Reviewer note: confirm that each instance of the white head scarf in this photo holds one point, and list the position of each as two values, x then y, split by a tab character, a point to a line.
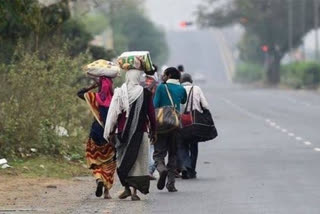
155	76
134	89
123	97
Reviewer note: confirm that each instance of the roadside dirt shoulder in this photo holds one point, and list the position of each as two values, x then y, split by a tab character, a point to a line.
43	195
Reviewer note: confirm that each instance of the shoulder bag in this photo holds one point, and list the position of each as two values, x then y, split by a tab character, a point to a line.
197	126
167	117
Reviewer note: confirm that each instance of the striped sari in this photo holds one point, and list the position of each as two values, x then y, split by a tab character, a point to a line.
101	157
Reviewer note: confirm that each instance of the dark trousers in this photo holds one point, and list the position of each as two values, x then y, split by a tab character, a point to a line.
166	144
188	156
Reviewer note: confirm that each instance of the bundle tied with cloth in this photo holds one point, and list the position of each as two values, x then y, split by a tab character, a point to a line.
102	68
132	63
103	71
167	117
139	60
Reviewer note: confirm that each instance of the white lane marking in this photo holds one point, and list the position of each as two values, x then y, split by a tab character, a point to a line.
291	134
273	124
239	108
307	143
298	102
267	120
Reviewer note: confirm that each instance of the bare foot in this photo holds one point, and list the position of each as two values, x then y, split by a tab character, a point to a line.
107	194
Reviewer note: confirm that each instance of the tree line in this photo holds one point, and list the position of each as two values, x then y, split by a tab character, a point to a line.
43	49
279	25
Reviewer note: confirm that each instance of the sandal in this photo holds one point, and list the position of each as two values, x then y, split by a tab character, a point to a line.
125	194
99	189
135	198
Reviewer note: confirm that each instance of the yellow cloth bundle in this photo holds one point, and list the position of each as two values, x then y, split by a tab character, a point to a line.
102	67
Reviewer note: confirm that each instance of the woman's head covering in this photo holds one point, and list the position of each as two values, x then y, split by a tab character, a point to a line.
123	97
133	85
105	93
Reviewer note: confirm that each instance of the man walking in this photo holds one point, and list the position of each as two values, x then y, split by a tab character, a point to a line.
167	142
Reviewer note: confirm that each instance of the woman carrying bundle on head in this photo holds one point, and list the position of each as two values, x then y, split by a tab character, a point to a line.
99	154
130	113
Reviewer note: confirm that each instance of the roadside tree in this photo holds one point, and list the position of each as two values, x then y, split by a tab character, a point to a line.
266	20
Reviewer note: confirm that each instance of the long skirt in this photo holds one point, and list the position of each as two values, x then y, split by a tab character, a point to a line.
138	174
101	160
101	157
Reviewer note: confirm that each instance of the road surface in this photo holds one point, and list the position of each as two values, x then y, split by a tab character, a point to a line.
266	159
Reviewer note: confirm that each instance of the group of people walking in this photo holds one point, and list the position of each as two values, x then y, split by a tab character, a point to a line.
124	138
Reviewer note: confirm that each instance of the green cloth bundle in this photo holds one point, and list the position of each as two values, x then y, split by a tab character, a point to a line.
140	60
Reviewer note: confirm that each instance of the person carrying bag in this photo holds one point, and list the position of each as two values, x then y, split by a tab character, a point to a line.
167	116
197	126
167	100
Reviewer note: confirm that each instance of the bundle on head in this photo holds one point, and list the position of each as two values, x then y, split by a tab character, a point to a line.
139	60
102	68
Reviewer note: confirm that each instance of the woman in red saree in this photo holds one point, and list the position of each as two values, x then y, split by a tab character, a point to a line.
100	155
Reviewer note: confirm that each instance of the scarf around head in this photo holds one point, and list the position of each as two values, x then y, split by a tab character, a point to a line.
133	87
104	96
123	97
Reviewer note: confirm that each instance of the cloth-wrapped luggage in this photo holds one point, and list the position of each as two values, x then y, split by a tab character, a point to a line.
140	60
101	68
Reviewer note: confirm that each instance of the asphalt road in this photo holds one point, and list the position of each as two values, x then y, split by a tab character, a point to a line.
265	160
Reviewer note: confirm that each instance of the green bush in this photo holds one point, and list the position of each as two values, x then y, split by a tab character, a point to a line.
31	23
37	97
248	73
301	75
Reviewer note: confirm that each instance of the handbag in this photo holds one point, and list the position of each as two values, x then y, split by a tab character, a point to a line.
167	117
186	117
201	128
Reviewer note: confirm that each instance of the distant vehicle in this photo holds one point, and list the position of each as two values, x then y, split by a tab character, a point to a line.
199	77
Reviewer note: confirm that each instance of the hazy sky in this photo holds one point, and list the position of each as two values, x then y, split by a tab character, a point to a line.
169	13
